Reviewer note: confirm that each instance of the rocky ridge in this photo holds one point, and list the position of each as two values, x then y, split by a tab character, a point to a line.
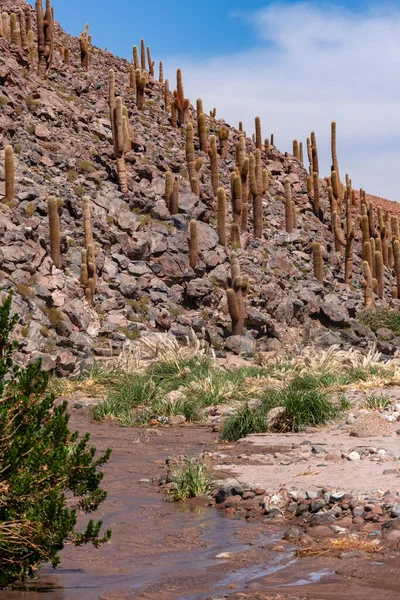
61	134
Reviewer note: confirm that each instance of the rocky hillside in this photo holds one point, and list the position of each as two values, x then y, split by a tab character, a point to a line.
62	139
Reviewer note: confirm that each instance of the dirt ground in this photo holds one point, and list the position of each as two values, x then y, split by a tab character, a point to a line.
165	551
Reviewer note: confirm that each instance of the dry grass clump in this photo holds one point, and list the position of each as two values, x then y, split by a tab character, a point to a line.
339	545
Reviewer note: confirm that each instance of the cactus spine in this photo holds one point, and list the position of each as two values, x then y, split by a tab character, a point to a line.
141	82
288	207
54	228
45	34
317	262
193	243
9	173
221	216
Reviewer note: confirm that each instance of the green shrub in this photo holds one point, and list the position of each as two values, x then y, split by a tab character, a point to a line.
244	421
42	464
374	318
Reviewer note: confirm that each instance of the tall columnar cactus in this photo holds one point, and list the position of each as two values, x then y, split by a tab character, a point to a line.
288	207
181	103
238	287
371	219
368	256
223	135
334	211
296	151
150	62
314	153
202	131
45	35
84	269
346	240
169	186
256	189
54	228
364	231
141	82
28	19
301	155
119	138
190	160
236	199
14	30
235	235
31	47
167	96
199	106
221	216
193	243
9	173
368	286
389	236
135	54
379	273
161	73
142	55
84	47
213	154
242	164
267	147
258	133
5	22
396	257
336	190
395	227
92	273
316	202
335	164
87	224
318	262
67	56
309	154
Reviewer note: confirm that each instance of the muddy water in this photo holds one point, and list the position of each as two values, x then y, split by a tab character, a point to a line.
166	551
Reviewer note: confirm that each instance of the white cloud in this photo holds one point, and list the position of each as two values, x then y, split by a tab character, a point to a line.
313	65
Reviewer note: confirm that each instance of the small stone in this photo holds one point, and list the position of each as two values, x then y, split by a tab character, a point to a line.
224	556
354	456
317	449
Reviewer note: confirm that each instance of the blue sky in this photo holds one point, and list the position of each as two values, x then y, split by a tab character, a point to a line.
297	64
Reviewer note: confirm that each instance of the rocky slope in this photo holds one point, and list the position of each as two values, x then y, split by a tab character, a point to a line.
61	134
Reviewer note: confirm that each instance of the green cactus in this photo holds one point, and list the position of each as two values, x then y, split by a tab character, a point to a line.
132	78
317	262
316	203
84	269
161	73
237	199
256	189
9	173
309	155
136	60
296	151
346	239
301	155
190	159
45	35
238	287
169	187
335	164
314	154
193	243
167	96
54	228
120	136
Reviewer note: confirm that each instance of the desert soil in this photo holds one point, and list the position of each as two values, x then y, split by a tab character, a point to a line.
165	551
